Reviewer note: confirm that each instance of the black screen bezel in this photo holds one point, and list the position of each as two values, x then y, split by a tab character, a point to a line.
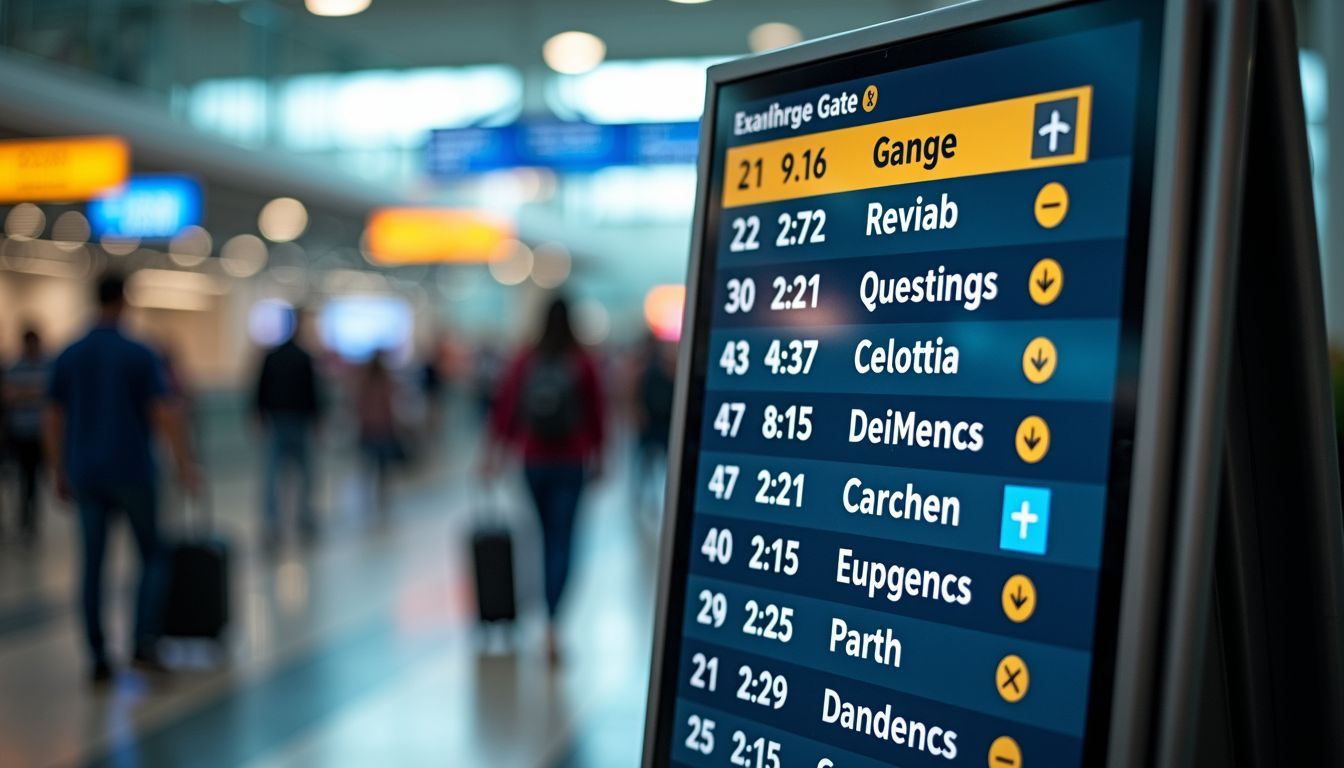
941	45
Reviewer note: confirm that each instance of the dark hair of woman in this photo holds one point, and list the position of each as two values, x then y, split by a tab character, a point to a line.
557	334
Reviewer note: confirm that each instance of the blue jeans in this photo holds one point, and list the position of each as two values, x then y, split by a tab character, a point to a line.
140	505
555	490
291	441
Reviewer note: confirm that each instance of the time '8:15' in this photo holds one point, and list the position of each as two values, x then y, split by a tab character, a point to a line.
793	422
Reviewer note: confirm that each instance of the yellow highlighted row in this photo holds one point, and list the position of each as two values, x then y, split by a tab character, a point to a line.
1037	131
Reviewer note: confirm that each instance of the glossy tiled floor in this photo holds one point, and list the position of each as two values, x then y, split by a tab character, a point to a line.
359	650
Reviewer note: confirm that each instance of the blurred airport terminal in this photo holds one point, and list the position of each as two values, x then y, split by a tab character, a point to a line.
339	223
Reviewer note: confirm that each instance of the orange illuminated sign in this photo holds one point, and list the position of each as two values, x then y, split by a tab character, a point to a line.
664	306
434	236
62	170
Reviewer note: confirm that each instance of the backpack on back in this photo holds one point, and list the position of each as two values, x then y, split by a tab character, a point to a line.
550	407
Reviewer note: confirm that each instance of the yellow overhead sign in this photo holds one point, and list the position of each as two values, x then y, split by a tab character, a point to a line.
434	236
995	137
62	170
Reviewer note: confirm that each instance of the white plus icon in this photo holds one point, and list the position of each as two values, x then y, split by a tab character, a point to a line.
1053	129
1024	517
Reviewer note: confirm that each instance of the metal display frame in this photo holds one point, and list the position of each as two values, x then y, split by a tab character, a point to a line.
1182	400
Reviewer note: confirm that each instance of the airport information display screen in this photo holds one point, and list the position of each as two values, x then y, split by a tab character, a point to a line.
905	465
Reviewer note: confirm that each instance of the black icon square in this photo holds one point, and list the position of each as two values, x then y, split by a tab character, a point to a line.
1055	128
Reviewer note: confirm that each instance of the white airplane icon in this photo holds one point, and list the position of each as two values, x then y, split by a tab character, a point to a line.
1053	129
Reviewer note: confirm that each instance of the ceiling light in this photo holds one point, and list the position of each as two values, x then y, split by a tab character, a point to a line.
70	231
512	264
336	7
191	247
772	35
573	53
689	2
25	221
243	255
551	265
283	219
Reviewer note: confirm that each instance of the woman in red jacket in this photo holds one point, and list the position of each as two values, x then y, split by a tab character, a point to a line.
550	406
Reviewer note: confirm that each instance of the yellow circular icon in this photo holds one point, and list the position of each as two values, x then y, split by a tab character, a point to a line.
1046	281
1052	205
1004	753
1033	439
1012	678
1038	360
869	98
1018	598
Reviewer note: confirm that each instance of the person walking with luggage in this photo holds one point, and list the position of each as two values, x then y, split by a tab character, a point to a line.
550	406
379	440
25	390
287	407
106	401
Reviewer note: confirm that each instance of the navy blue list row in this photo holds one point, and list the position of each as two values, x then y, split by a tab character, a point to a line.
971	435
980	284
952	358
950	510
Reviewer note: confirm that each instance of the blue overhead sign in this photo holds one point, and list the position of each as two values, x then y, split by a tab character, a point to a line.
147	207
569	147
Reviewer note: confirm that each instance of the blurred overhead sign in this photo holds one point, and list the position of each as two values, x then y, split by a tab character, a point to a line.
571	147
147	208
433	236
61	170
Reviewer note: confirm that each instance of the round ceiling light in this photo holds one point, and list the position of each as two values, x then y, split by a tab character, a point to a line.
336	7
573	53
25	221
283	219
772	35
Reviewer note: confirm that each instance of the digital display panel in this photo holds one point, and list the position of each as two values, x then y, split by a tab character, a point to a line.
905	463
150	207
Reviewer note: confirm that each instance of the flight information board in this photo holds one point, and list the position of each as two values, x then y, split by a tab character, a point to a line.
905	461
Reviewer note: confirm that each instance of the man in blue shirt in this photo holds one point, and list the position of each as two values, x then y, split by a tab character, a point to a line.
25	388
107	399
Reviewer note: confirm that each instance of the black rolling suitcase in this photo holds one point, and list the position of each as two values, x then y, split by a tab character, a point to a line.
492	551
197	601
492	558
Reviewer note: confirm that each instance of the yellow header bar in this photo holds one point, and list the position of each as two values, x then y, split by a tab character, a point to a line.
1042	130
61	170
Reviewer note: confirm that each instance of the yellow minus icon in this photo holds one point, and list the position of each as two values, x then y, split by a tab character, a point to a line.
1005	753
1052	205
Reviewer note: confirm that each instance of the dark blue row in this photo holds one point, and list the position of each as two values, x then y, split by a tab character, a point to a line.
1079	449
971	733
1077	512
1066	597
1093	273
988	359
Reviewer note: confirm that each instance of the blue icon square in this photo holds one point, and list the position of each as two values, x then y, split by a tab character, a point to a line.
1026	519
1055	128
